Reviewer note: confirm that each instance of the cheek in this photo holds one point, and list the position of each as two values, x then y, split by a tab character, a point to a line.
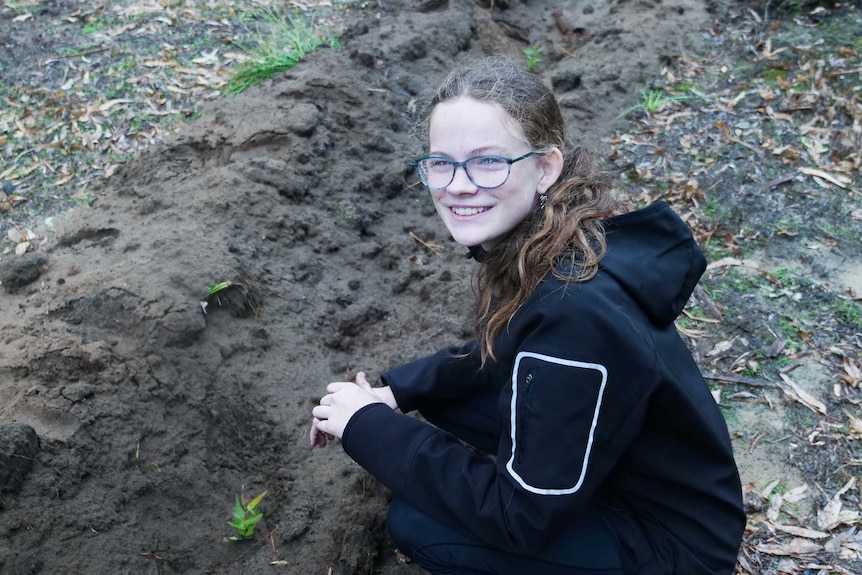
523	197
437	195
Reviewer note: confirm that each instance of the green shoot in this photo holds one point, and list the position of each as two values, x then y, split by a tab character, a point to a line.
246	517
533	54
653	101
212	290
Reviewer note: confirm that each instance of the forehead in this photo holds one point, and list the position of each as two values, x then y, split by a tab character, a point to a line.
472	122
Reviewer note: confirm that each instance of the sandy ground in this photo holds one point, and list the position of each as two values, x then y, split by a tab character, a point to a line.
154	404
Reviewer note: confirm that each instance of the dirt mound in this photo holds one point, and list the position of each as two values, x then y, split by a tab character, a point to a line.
155	402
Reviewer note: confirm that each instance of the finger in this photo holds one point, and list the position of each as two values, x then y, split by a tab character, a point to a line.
317	437
321	412
362	381
335	386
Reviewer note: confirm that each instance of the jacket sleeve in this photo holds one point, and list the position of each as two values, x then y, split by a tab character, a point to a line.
447	375
578	385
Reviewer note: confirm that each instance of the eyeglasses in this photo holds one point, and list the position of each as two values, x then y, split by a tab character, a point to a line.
487	172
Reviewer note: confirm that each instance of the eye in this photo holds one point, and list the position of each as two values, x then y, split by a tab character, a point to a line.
438	164
489	162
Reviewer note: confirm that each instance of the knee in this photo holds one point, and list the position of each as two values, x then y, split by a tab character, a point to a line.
406	526
422	539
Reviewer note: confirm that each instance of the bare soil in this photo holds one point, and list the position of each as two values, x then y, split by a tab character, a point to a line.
134	406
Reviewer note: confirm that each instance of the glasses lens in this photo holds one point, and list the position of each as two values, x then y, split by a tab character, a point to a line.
435	172
488	171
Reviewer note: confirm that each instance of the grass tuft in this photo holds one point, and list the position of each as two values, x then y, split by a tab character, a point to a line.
654	101
287	41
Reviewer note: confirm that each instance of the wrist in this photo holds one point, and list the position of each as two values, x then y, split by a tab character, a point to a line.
386	396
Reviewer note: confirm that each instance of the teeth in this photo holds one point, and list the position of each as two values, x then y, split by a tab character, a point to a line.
468	211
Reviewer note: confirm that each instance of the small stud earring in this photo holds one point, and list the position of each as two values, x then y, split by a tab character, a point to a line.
543	199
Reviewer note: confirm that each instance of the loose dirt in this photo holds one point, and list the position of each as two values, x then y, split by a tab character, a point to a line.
136	406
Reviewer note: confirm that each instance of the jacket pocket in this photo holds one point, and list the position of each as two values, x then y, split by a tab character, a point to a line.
556	407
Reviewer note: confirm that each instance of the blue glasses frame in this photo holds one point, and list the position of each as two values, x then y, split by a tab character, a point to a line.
422	173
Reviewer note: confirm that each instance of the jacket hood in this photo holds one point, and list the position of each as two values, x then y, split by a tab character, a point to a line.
653	256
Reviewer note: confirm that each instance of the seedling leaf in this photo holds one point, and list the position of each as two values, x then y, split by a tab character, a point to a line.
255	502
218	287
246	517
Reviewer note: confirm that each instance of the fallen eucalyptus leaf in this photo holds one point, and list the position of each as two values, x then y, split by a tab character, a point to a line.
796	393
795	547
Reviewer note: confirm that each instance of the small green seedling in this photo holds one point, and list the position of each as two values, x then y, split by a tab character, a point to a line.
533	54
654	101
245	517
212	290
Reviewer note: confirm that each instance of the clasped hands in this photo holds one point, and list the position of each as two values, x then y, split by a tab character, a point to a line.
343	399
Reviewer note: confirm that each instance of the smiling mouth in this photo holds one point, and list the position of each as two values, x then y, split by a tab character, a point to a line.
467	211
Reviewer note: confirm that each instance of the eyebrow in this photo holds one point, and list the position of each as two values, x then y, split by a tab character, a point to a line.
484	151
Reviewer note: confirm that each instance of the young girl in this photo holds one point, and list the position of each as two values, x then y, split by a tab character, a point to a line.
606	453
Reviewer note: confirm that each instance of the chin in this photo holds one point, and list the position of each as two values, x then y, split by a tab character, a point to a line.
468	240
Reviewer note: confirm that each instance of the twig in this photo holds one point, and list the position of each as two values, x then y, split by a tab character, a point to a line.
433	248
75	55
843	72
151	554
730	378
781	180
699	318
791	367
259	543
756	440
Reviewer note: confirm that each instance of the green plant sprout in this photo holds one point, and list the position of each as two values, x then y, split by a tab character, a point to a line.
533	54
653	101
212	290
245	517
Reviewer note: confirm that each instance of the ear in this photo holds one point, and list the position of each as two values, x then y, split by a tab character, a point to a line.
550	166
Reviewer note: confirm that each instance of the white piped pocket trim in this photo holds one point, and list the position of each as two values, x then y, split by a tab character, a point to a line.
513	412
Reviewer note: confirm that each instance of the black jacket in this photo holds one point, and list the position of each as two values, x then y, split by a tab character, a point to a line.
601	402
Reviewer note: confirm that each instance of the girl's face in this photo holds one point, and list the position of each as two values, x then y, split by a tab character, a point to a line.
465	127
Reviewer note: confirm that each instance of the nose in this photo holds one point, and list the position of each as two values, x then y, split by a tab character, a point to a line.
461	183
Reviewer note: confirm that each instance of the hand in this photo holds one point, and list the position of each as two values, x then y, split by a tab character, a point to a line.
344	398
383	393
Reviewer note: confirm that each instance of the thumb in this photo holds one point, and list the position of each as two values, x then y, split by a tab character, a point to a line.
361	381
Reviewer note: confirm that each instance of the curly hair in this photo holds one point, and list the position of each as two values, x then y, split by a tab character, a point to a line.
569	225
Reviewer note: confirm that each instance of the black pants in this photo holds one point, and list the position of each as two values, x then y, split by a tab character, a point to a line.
587	546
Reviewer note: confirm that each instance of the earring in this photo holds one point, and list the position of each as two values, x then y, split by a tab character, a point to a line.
543	199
